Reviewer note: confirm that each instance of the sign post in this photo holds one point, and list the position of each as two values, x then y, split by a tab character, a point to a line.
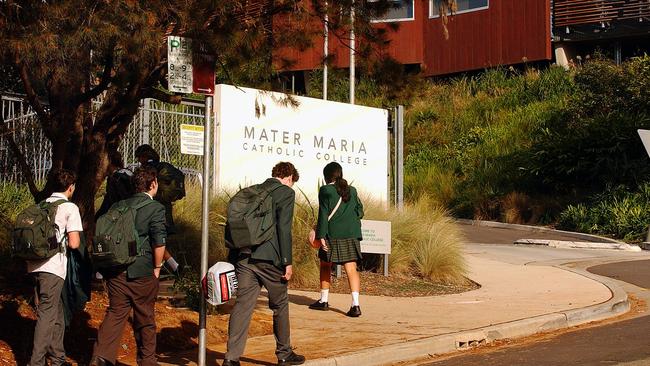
193	72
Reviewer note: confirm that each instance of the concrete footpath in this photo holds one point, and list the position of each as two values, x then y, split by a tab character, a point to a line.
518	297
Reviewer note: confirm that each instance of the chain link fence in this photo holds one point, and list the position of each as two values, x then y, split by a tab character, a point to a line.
156	124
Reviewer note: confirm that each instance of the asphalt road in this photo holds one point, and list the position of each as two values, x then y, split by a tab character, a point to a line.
492	235
625	343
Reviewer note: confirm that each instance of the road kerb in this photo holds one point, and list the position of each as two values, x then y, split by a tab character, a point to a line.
458	341
578	244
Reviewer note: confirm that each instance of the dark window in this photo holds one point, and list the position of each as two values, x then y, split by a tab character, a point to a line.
463	6
399	10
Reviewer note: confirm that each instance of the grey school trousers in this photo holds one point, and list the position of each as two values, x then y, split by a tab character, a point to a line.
50	324
250	278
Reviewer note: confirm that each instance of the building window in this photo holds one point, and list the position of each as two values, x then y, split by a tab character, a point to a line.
464	6
400	10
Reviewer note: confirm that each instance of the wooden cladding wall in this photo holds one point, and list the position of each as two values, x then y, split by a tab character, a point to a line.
507	32
578	12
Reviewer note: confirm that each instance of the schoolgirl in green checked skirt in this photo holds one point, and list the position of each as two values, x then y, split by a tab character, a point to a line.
339	231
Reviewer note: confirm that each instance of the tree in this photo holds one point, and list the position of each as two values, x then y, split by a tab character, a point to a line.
69	52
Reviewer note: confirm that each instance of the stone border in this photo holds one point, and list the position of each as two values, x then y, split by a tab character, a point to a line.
566	244
539	229
458	341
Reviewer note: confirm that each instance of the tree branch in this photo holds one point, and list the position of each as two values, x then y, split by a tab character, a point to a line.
32	97
103	84
162	96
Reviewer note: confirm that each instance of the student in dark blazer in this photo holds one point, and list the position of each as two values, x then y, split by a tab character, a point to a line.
339	231
270	265
136	286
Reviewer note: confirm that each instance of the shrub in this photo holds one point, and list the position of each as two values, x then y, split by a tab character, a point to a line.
617	212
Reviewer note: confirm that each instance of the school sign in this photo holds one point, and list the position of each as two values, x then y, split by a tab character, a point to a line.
256	129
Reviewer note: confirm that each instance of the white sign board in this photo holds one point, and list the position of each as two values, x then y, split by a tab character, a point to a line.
645	138
179	64
191	139
376	236
258	129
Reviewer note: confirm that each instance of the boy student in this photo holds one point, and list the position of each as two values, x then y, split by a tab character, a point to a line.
147	155
136	286
268	265
50	274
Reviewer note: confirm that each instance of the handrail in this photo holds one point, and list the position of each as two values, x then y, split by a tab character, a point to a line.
579	12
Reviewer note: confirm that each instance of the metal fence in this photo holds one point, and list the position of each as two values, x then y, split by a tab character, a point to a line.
156	124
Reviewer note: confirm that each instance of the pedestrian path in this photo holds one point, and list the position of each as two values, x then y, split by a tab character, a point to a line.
512	290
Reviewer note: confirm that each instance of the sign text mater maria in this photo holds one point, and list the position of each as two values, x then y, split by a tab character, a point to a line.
291	144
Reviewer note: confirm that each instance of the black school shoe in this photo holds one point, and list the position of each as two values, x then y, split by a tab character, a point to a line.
319	306
230	363
292	359
354	312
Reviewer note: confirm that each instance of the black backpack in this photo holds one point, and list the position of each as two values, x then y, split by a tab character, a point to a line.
34	233
117	243
250	218
171	183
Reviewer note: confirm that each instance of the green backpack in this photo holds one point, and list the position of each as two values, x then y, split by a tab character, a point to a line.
117	243
34	233
171	183
250	218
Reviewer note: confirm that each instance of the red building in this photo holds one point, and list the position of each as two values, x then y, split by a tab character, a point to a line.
488	33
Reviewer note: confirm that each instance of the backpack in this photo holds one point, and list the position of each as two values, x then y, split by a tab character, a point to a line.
117	243
250	218
34	233
171	183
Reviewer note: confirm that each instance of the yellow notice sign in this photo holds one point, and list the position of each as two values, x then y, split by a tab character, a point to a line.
191	139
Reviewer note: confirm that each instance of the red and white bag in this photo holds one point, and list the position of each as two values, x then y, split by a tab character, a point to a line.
220	283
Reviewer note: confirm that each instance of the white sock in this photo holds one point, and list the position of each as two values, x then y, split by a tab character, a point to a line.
355	298
171	262
324	295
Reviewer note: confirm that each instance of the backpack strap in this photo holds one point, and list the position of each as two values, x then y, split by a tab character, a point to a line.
55	205
142	204
335	208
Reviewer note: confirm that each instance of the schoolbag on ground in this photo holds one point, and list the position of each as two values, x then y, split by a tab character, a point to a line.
34	234
117	243
171	183
250	218
219	283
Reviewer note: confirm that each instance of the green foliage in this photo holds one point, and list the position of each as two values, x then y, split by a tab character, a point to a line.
13	199
618	212
594	142
498	145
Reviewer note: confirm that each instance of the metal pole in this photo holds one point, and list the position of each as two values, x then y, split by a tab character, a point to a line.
385	265
204	224
352	62
215	154
399	148
325	51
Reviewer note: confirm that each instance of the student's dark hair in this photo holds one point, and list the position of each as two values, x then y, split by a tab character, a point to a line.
284	169
333	172
115	159
143	177
62	179
148	152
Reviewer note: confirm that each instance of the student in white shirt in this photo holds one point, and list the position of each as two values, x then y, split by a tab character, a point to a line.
50	275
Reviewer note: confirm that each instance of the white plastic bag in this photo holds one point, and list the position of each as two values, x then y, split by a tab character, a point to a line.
220	283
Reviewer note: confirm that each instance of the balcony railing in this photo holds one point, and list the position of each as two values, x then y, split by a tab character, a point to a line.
579	12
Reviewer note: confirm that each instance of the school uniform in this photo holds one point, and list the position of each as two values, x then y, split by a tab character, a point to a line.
343	231
50	275
135	288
